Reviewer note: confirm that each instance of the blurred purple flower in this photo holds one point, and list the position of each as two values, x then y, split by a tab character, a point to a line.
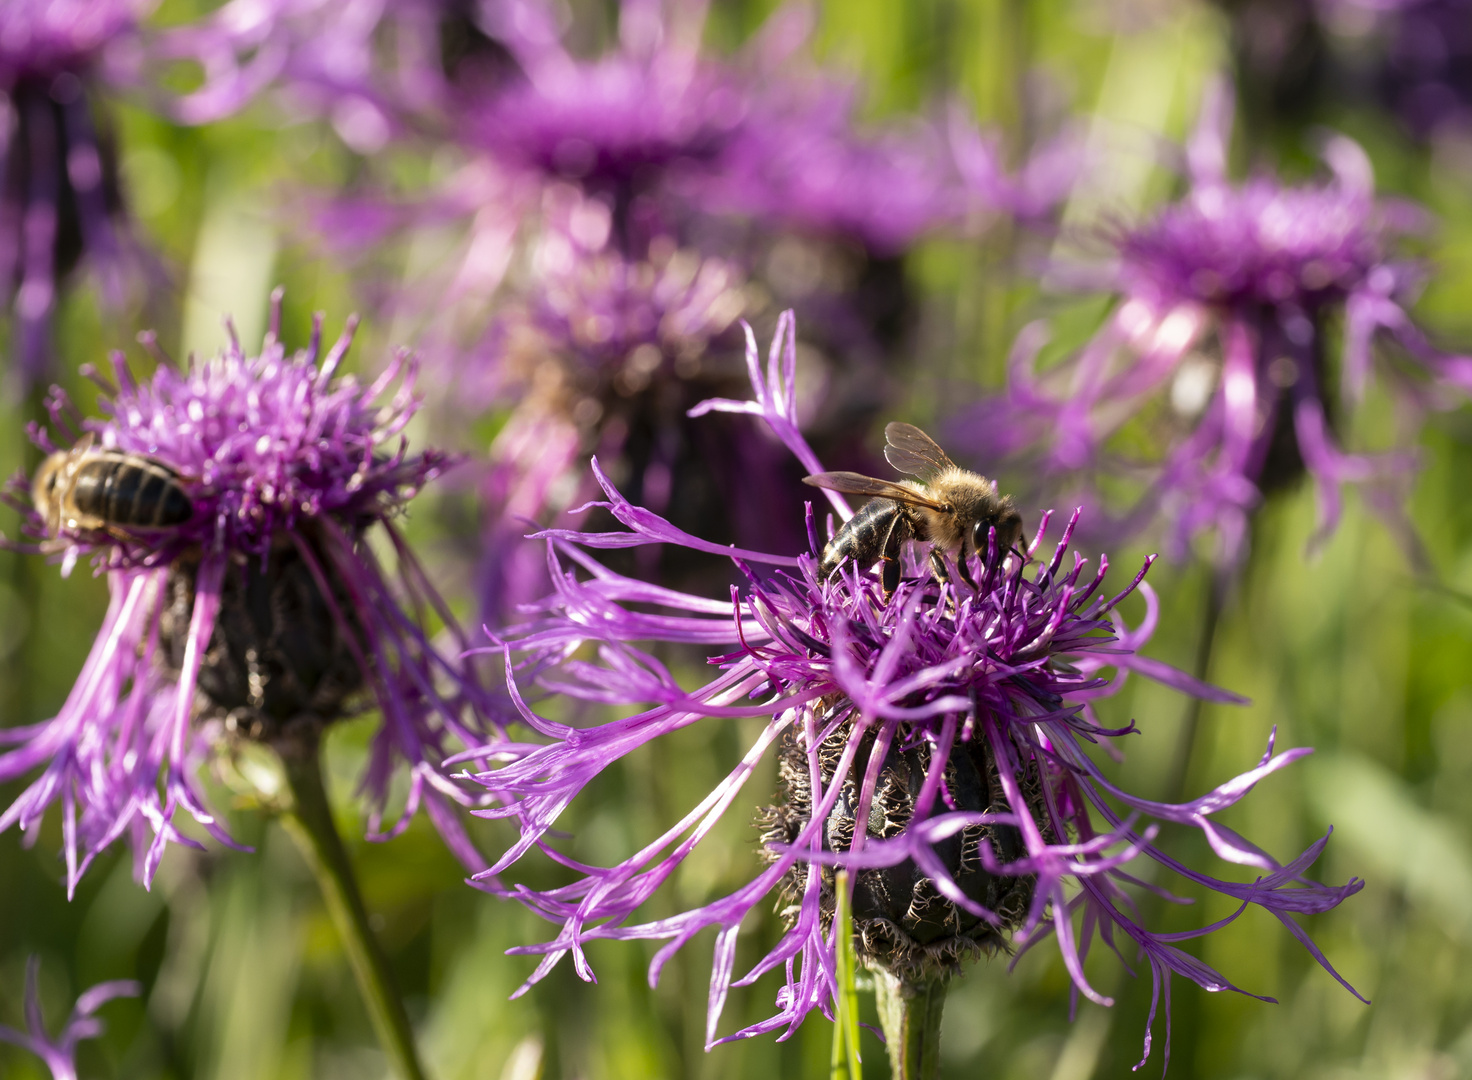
373	68
59	195
1425	70
61	202
60	1053
1226	300
619	212
605	356
266	613
952	722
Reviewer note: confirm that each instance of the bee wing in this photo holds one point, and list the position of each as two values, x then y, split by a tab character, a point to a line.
912	451
853	483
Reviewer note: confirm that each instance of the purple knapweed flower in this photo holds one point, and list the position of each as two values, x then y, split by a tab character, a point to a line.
60	1053
264	613
1226	304
953	722
619	213
59	195
605	355
1424	68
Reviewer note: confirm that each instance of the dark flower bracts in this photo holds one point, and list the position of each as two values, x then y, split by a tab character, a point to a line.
937	743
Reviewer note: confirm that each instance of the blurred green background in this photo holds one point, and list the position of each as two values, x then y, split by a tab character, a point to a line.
242	972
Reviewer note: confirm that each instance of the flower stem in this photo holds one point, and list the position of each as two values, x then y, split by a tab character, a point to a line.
1180	766
910	1015
310	822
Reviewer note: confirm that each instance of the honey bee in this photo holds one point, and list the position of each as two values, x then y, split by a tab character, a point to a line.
951	508
108	491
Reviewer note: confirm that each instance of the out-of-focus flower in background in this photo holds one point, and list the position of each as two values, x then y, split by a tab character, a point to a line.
60	1053
1299	59
261	611
62	205
374	69
624	209
1227	302
933	742
1424	63
59	194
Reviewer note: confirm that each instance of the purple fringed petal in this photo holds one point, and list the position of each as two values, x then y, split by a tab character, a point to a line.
60	1053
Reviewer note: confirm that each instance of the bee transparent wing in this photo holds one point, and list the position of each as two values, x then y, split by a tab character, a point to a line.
913	452
852	483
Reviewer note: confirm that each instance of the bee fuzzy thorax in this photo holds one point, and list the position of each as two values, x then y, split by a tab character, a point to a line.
967	497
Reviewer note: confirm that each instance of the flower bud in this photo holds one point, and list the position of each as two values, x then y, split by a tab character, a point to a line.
902	922
282	654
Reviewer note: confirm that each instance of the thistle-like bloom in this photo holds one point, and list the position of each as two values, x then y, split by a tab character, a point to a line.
60	1053
267	613
952	724
59	196
605	357
1227	302
61	204
1425	70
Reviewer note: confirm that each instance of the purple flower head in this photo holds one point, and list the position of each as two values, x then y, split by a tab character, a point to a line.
1226	303
953	722
613	124
259	611
59	195
803	164
42	38
605	355
60	1053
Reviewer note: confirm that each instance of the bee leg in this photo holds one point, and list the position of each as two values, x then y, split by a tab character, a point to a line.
965	571
889	554
889	575
939	571
938	568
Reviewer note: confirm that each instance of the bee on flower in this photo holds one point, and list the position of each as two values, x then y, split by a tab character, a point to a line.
233	506
933	737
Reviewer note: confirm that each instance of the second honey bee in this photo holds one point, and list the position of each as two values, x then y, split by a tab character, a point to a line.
86	489
948	506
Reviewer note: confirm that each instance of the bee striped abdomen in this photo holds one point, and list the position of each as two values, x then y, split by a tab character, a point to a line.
132	492
863	537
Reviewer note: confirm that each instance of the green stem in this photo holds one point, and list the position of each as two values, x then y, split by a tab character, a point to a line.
310	822
910	1015
1180	767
